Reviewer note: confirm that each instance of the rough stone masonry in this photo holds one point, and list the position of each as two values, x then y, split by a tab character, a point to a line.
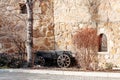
56	21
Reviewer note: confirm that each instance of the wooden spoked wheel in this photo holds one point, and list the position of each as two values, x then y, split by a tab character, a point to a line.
40	61
63	61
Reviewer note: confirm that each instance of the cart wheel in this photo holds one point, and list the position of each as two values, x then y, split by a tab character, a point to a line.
40	61
63	60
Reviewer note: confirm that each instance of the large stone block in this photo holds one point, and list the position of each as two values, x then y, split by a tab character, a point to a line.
37	34
46	42
7	45
51	27
5	40
50	33
11	51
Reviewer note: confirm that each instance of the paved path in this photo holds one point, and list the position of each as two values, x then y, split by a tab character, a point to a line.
36	76
21	74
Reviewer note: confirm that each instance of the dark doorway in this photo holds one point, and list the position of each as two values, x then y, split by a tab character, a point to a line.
102	43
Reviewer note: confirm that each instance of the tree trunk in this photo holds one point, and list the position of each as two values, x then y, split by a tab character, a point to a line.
29	42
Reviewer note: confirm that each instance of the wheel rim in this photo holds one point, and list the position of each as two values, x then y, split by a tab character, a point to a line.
40	61
63	61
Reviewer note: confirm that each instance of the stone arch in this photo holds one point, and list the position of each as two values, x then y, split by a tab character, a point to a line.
103	43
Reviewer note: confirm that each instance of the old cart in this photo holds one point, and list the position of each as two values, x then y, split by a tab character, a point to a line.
61	58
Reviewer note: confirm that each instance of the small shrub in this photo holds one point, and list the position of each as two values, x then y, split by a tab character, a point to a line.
16	63
86	44
11	61
109	66
5	59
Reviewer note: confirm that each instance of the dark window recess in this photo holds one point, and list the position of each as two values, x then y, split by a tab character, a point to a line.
102	43
23	8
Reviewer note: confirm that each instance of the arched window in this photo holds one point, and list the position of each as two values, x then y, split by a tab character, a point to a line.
102	43
23	8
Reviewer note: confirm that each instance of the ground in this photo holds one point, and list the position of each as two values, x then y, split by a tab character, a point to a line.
29	74
37	76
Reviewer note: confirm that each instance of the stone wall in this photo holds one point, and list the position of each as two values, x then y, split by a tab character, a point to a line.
70	15
112	31
43	28
12	22
109	25
43	33
56	21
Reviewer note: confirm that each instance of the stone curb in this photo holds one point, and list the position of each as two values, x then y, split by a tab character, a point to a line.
72	73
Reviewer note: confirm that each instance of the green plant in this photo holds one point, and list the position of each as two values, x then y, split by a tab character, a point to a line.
109	66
